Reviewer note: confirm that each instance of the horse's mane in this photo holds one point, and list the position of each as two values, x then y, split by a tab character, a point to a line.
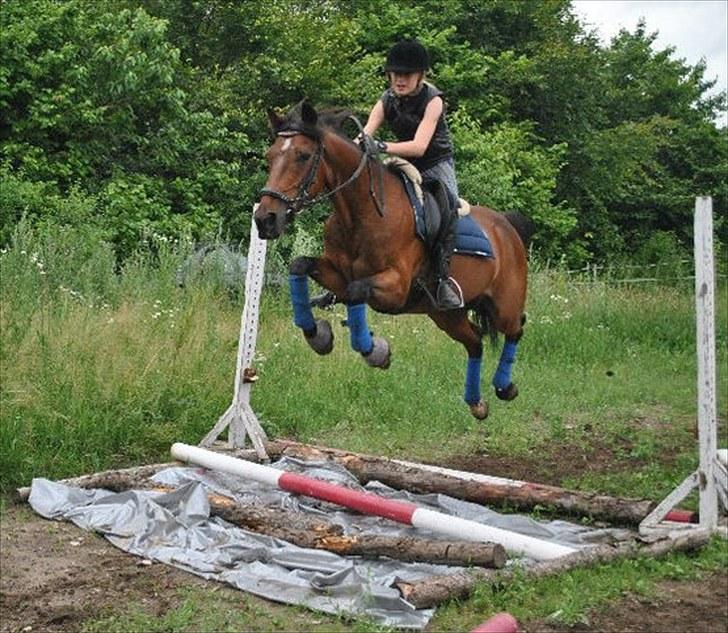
328	119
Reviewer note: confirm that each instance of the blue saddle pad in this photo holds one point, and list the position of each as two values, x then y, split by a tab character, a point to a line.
471	238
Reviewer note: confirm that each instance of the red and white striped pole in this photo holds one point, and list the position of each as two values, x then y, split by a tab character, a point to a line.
368	503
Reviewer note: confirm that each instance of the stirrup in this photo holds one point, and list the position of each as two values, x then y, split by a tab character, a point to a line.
449	295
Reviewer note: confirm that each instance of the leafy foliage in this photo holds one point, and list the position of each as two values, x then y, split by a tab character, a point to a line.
150	114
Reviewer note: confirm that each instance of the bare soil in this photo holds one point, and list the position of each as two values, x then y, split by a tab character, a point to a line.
54	577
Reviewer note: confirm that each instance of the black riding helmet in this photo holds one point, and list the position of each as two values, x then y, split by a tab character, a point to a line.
408	56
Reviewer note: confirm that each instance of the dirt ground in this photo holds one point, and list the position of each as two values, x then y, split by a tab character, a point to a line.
54	577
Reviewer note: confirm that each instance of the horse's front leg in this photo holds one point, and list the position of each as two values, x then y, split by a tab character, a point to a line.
318	332
374	349
385	291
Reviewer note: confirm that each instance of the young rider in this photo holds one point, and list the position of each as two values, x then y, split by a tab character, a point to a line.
414	110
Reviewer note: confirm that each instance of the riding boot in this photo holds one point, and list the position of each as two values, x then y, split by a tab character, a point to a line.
449	293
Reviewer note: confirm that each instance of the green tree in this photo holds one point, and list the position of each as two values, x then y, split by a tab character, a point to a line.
154	111
96	98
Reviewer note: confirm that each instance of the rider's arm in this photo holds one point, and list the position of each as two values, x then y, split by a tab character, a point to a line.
418	145
376	118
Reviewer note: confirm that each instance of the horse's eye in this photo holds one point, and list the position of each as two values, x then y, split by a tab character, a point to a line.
303	157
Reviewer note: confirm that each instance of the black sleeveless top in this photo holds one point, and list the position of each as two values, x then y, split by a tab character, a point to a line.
404	115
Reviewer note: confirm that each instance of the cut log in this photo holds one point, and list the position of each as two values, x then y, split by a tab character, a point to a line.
438	589
305	531
125	478
115	480
415	549
517	495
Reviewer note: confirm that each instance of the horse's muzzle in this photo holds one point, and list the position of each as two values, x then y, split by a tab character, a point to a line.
269	223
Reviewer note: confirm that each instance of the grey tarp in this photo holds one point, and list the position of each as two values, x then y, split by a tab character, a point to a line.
176	528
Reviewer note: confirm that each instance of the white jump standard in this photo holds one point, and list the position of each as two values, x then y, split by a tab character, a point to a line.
240	419
711	478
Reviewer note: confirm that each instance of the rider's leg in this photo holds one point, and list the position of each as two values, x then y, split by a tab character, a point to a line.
449	294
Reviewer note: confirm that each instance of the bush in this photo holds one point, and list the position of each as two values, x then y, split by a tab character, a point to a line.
505	168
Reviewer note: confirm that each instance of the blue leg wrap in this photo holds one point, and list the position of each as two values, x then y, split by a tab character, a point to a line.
502	376
302	315
361	337
472	381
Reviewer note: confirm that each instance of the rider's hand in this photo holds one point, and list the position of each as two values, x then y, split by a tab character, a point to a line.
370	145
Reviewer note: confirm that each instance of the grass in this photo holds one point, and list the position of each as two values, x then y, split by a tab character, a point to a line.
104	368
207	611
567	598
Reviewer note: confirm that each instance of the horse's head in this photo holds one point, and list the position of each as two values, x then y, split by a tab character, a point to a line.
294	177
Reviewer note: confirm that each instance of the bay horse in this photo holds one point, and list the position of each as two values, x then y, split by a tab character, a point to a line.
373	257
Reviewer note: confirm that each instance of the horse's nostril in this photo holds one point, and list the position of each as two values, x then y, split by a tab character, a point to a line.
266	224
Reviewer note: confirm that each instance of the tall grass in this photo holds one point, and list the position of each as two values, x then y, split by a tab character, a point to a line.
104	367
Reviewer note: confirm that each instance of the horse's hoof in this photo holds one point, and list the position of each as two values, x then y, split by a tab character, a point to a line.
322	342
379	356
479	410
509	393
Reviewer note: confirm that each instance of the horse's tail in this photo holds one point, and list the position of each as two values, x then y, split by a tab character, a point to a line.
484	312
523	225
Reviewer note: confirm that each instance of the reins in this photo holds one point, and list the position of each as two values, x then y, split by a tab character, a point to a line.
303	199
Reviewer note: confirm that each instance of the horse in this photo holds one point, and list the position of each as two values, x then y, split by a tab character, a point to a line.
373	257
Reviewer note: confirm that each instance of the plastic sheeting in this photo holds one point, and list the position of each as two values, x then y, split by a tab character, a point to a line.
176	528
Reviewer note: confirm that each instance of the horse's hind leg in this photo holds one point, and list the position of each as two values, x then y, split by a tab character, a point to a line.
505	389
457	326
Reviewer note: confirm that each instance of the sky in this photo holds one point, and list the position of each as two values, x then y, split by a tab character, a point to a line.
696	28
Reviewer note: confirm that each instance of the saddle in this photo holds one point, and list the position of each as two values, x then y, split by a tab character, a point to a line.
429	200
428	197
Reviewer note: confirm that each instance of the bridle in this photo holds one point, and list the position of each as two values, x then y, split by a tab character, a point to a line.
303	198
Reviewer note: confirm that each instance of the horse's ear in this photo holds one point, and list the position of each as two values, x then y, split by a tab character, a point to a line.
276	121
308	113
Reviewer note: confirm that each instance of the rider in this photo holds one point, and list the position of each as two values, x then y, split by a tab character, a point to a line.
415	112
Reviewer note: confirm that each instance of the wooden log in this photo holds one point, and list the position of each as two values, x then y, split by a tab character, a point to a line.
438	589
306	531
111	478
416	549
124	478
516	494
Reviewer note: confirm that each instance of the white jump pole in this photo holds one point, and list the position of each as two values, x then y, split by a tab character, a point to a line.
368	503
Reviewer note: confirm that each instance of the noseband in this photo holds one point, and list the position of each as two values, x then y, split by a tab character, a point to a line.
303	199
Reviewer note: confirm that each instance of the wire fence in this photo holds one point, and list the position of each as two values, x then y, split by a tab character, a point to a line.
675	272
